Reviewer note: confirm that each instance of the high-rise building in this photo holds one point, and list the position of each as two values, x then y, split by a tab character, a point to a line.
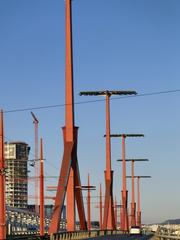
16	161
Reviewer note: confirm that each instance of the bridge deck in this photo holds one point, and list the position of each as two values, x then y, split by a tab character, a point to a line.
122	237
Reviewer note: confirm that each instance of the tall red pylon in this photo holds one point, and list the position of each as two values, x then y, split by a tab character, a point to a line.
138	198
100	208
124	192
133	203
41	190
109	219
69	174
89	205
2	182
115	211
139	203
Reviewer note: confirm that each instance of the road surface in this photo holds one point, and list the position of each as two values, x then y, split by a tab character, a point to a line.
123	237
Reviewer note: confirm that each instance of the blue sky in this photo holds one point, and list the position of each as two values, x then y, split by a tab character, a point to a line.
118	45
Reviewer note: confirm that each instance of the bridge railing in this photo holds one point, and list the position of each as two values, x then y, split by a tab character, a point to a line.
163	233
164	237
83	234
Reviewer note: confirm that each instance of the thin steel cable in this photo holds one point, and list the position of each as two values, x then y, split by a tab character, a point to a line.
91	101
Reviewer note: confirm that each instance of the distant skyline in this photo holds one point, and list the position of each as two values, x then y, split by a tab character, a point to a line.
118	45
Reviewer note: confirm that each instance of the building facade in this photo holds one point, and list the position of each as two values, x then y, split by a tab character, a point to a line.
48	210
16	162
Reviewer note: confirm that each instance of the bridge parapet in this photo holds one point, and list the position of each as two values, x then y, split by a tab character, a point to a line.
83	234
164	233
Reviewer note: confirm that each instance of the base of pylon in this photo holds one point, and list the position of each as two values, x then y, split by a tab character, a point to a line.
65	185
109	217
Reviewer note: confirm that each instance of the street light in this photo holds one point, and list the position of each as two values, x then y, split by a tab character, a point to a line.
124	216
133	203
109	218
138	194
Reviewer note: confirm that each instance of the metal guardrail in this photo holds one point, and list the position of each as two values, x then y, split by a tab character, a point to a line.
83	234
164	237
23	236
26	236
68	235
164	233
65	235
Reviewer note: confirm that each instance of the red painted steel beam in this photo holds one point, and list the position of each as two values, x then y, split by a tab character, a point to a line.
2	182
121	218
89	205
87	188
69	173
139	203
36	123
125	226
70	200
100	209
69	118
108	140
41	190
69	157
139	198
79	196
69	110
115	211
124	193
133	203
109	219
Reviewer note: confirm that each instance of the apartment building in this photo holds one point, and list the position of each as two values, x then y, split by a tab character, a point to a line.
16	162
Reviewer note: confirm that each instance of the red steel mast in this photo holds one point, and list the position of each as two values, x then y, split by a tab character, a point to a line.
109	219
133	203
139	203
69	174
41	190
89	205
139	199
100	208
124	192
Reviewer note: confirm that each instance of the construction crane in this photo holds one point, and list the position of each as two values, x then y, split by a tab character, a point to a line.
36	123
